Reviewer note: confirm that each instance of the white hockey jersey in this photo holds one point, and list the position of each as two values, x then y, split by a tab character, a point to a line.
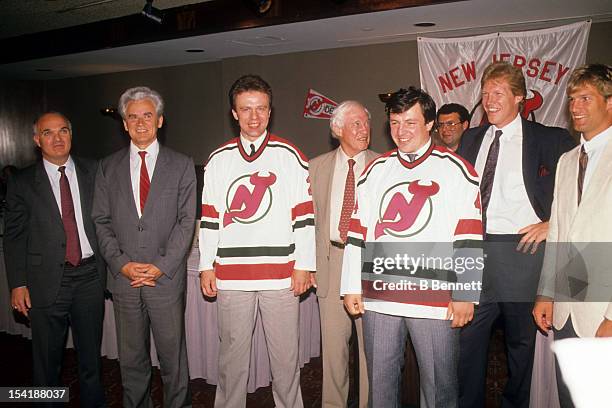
257	222
400	205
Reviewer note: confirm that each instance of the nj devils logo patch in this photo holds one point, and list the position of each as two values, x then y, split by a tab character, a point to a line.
248	198
400	217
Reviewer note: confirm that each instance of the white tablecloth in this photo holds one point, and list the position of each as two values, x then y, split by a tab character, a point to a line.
201	331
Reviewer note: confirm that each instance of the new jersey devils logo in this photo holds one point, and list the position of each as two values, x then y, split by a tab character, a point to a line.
402	218
251	200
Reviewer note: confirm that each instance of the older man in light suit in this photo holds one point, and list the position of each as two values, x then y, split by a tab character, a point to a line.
144	211
333	176
581	217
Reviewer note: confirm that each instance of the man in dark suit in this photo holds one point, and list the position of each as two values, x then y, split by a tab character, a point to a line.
516	160
330	176
50	247
144	211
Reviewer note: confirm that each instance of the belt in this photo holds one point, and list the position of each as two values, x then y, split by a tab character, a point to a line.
339	245
85	261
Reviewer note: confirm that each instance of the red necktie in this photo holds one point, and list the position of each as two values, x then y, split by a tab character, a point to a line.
145	183
73	245
348	203
583	161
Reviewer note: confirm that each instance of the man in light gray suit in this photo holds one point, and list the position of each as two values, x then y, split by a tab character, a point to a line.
144	211
331	181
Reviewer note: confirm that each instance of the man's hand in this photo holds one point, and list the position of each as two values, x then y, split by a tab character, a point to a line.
534	234
313	279
153	273
543	313
353	304
605	329
20	299
462	313
300	282
208	283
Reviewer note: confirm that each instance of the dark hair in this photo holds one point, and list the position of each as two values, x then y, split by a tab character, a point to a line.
248	83
447	109
597	75
404	99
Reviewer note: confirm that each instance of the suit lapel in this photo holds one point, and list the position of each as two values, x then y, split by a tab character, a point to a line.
42	184
124	180
159	178
600	176
530	160
327	168
86	182
471	152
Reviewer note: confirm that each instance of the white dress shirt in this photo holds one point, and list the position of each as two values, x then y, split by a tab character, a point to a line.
135	160
54	178
509	208
246	143
420	152
594	149
337	188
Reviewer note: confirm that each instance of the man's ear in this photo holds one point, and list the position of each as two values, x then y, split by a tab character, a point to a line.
36	139
125	126
160	121
235	114
429	125
465	125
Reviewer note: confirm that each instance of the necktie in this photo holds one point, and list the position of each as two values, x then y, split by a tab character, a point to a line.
348	202
488	174
252	150
582	165
73	245
145	183
411	157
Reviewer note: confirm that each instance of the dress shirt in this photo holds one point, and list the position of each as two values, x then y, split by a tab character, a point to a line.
594	149
54	178
337	190
509	208
135	160
420	152
246	143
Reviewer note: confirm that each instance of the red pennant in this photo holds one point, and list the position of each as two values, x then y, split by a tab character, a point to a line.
318	106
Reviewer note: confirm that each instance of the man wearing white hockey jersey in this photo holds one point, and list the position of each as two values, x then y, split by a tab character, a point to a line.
415	204
256	246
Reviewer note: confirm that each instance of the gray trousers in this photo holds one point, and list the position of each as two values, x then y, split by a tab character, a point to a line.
236	319
437	352
137	314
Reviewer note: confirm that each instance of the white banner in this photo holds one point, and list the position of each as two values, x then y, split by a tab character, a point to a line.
451	68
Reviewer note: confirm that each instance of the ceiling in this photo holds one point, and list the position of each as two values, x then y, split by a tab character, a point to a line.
30	20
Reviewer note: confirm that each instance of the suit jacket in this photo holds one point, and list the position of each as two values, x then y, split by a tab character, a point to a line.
321	170
542	147
163	235
588	226
34	237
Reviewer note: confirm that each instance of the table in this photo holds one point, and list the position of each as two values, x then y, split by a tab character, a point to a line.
201	331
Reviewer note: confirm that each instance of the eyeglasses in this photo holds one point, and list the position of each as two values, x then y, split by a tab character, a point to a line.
450	125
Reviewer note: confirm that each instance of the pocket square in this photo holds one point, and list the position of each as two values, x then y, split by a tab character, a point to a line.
543	171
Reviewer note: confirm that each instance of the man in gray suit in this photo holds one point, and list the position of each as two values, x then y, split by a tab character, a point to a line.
144	211
333	176
50	248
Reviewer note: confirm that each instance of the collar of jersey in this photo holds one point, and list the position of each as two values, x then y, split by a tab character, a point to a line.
258	152
412	165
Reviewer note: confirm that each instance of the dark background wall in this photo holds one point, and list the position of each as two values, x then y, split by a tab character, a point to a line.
197	117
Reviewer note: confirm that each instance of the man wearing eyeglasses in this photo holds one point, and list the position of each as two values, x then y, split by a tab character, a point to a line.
453	119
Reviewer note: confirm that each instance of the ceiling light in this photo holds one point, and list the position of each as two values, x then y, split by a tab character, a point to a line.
194	50
424	24
151	12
